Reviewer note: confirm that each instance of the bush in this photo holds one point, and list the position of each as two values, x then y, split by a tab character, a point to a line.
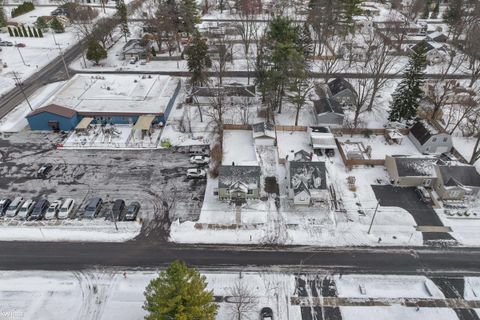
57	26
41	23
23	8
165	143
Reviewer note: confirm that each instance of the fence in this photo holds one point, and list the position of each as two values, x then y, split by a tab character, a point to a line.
381	131
349	163
237	127
291	128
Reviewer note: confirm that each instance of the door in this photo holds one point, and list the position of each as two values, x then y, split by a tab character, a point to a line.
427	182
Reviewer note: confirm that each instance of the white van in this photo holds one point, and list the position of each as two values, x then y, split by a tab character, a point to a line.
66	209
14	207
26	209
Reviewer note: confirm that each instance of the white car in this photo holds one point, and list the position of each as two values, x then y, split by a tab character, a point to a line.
53	210
26	209
199	159
14	207
66	209
196	173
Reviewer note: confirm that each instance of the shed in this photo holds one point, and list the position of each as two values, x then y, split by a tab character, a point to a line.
342	91
409	171
328	112
428	139
455	181
53	117
264	133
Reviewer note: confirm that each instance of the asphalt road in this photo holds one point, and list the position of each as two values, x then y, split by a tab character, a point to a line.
147	254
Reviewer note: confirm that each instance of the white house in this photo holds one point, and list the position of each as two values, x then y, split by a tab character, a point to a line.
264	134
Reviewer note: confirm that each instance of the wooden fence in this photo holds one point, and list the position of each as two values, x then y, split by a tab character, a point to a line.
237	127
363	131
349	163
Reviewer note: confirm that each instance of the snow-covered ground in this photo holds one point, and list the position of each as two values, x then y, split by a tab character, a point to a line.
118	294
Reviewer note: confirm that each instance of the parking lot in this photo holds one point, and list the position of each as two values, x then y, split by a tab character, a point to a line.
154	178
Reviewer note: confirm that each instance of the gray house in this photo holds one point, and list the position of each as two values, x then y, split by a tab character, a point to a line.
264	133
239	183
137	48
406	171
328	112
456	181
429	140
307	182
342	91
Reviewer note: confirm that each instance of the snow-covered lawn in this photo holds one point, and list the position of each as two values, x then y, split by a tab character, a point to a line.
289	142
238	147
396	312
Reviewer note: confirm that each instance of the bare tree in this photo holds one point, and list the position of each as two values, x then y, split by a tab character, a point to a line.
243	301
472	50
330	59
224	46
82	18
364	88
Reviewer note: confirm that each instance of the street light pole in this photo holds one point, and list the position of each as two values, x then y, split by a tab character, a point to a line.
373	218
20	53
20	85
61	54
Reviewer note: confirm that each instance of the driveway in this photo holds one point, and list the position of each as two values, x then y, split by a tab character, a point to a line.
424	215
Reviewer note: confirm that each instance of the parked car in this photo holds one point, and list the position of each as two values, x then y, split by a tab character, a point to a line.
14	207
20	45
424	195
26	209
196	173
66	209
133	60
266	314
93	207
40	209
132	211
44	170
53	210
4	203
6	44
117	209
199	159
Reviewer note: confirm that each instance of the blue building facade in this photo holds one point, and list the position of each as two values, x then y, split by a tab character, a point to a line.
53	117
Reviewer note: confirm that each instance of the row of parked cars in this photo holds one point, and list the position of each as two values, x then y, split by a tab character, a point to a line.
200	161
36	210
43	209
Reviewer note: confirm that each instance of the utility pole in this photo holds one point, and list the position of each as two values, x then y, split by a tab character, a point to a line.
373	218
19	84
61	54
20	53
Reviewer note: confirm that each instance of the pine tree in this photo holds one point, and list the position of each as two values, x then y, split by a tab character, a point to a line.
40	33
30	34
153	52
41	23
198	60
306	41
408	94
57	26
123	16
35	33
16	33
179	292
95	52
24	31
10	32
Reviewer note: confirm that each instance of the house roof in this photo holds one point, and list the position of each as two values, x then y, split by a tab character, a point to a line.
302	155
232	90
231	175
422	131
54	109
460	175
415	167
327	105
338	85
309	174
136	46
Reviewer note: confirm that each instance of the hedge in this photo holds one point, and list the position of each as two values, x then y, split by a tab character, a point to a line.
23	8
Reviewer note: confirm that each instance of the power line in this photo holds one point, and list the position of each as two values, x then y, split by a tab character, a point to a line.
19	84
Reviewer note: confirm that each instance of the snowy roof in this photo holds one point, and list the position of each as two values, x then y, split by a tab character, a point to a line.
309	174
231	90
437	36
231	175
460	175
136	46
54	109
327	105
338	85
302	155
423	131
263	129
415	166
125	94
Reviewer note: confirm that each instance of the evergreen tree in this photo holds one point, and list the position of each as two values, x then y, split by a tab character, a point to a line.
188	14
30	34
35	33
10	32
408	94
57	26
24	31
41	23
16	32
40	33
123	16
153	52
179	293
306	41
351	8
3	18
198	60
95	52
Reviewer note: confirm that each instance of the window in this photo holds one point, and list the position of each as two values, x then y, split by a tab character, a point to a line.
445	139
434	139
250	191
